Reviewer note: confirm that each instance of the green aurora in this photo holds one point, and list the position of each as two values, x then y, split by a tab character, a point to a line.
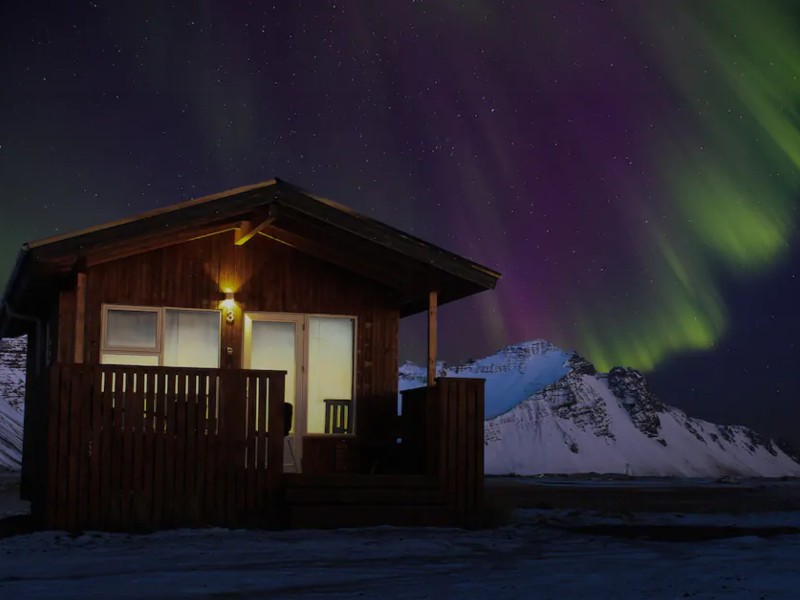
729	171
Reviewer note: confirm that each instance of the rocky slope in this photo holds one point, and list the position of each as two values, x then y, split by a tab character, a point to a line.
12	401
549	411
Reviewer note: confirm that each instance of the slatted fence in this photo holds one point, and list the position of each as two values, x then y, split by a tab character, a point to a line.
153	447
459	430
141	448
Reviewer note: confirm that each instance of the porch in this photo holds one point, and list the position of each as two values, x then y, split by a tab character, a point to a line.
139	448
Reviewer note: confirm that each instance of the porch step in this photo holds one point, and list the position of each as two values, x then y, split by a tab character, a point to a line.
366	515
344	496
359	480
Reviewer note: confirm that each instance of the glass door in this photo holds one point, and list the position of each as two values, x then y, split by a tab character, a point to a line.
329	385
274	342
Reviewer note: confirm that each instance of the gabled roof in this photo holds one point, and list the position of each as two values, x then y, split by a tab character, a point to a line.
330	231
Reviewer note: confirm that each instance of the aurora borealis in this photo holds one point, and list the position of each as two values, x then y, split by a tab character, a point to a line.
632	168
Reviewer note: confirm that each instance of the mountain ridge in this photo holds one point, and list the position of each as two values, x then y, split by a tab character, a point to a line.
573	419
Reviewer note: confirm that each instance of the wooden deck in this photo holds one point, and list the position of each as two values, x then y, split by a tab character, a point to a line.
144	448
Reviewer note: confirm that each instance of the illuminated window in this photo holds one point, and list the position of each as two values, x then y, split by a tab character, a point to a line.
330	374
173	337
318	354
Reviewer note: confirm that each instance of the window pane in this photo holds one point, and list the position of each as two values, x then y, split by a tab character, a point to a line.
330	370
272	347
131	329
109	358
191	338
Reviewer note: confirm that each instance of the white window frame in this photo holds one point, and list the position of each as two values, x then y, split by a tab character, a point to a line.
158	349
107	349
301	354
354	405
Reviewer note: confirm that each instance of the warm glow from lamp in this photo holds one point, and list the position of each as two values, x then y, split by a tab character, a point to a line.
228	305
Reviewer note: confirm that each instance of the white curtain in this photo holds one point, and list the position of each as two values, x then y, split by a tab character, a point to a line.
191	338
330	365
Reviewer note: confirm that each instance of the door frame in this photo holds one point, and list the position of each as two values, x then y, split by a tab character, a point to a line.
354	373
295	439
301	361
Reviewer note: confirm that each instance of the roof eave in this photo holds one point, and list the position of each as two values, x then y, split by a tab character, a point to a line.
7	301
461	276
151	214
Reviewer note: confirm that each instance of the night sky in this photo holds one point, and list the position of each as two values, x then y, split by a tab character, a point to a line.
632	168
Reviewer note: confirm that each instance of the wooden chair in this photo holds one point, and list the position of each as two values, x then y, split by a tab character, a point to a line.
288	413
338	416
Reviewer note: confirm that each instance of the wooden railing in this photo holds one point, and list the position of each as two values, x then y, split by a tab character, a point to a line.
141	448
444	424
154	447
460	445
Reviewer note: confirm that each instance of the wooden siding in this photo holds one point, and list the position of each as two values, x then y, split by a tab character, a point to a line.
445	488
141	448
66	323
460	444
332	454
266	276
137	448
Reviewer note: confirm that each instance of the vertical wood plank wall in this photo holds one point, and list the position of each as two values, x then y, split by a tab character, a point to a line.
460	432
265	276
137	448
445	488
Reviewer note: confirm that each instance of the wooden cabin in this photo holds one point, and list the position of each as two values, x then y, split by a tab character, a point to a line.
233	360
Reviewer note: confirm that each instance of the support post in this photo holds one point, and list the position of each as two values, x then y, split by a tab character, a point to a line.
80	317
432	318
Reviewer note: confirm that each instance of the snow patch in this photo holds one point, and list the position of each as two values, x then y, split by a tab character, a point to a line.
12	401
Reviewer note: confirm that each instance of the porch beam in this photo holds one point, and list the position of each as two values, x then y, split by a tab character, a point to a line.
432	320
250	228
80	317
111	253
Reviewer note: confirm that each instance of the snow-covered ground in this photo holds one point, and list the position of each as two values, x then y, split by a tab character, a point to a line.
764	521
542	554
527	560
10	502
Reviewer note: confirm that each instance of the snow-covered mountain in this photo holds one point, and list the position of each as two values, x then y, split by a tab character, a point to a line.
12	401
549	411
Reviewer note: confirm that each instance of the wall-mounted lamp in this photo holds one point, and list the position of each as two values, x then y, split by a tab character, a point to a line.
229	304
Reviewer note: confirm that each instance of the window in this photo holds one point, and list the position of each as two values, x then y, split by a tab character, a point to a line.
153	336
191	338
132	329
330	373
318	354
